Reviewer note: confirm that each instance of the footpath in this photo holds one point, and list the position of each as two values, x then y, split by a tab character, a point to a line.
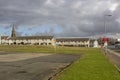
113	56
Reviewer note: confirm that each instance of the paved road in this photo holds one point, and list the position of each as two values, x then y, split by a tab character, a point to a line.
116	50
33	68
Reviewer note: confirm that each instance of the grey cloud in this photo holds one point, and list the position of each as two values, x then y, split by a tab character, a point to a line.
76	17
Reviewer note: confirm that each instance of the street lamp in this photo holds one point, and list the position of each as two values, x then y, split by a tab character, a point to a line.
105	28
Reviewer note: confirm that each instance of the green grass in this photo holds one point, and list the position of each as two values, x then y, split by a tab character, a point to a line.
93	65
26	48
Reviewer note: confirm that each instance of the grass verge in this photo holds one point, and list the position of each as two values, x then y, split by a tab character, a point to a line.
92	66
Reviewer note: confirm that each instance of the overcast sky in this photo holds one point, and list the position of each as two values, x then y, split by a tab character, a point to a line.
63	18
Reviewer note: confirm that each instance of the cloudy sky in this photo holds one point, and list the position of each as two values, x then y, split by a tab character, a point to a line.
63	18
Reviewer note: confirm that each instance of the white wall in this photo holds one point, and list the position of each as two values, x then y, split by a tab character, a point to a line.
118	40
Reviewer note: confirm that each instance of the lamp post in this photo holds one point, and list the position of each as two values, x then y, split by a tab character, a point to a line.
105	39
105	28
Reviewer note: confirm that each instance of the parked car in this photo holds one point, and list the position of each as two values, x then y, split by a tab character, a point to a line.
117	45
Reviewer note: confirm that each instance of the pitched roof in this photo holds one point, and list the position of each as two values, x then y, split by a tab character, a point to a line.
31	37
4	37
72	39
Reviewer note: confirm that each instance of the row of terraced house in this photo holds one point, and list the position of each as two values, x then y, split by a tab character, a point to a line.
43	40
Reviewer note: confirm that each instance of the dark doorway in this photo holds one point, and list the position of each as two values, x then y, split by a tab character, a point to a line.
14	43
22	43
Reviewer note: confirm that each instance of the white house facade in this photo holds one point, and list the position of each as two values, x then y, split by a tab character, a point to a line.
27	40
43	40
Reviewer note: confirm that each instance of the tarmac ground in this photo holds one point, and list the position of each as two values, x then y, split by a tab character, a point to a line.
33	66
